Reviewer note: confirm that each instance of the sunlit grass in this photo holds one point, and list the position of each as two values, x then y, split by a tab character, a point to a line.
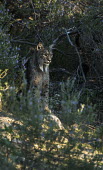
35	139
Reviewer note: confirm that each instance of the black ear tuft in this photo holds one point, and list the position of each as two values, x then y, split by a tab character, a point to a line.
40	46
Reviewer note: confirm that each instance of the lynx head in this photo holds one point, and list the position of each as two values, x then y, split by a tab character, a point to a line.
44	57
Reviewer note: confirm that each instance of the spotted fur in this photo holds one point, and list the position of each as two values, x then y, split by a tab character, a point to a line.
38	74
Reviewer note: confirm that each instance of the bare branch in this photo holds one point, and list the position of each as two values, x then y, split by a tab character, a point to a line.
64	35
22	42
80	61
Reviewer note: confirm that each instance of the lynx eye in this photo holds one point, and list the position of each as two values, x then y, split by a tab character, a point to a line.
44	56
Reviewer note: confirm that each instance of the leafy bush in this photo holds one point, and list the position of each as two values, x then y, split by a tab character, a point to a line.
31	138
34	140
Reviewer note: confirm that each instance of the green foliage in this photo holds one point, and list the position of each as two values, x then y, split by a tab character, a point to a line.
33	139
73	110
8	53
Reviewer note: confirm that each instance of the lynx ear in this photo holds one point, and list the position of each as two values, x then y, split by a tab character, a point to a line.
39	46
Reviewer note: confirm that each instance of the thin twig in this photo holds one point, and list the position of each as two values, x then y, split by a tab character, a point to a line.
22	42
76	49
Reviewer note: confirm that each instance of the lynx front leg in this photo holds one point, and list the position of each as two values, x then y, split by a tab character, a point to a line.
45	93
